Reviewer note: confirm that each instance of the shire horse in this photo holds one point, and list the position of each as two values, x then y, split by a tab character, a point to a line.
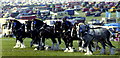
101	35
67	28
18	30
51	32
70	36
32	33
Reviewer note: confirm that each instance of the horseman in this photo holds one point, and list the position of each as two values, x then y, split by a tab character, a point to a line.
66	25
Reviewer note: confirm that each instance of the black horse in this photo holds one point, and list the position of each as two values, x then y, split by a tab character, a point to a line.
32	33
58	31
101	35
18	30
47	31
66	35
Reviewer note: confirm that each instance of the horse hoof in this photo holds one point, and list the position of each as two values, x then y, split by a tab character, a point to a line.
66	51
112	51
80	48
22	47
70	50
88	54
35	49
16	46
35	45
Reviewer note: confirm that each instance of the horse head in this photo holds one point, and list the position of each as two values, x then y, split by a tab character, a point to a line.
58	26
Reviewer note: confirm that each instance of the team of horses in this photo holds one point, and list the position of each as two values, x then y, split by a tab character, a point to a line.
38	31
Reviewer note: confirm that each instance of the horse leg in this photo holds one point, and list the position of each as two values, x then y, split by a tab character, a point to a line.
54	43
59	42
31	43
88	46
17	43
42	43
97	47
84	46
92	47
80	45
89	51
112	48
71	46
103	49
66	44
36	41
22	44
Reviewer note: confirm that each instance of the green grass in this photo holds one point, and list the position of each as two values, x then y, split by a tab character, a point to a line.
8	50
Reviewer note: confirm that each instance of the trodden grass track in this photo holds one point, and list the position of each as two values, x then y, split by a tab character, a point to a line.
8	50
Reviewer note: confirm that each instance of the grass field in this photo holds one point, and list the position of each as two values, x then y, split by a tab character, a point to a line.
8	50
